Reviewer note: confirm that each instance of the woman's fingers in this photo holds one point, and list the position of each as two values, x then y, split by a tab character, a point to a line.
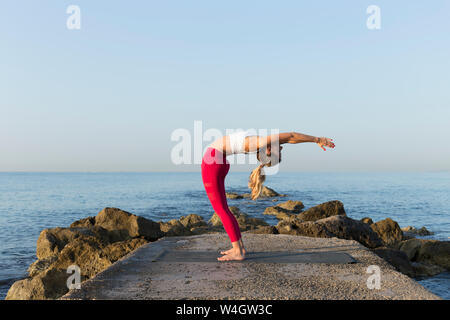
326	142
330	143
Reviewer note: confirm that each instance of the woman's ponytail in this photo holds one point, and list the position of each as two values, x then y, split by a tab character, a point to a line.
256	180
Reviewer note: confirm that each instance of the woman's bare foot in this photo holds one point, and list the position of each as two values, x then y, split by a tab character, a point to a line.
239	245
231	250
232	254
235	253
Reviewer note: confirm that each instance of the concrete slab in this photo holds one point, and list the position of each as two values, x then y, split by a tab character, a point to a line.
279	267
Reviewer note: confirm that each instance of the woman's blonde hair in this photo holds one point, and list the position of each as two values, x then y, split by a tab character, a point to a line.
257	177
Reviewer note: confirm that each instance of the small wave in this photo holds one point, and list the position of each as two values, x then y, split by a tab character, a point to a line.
10	281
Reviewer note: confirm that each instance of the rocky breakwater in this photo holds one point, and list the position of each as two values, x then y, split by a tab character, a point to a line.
93	244
411	256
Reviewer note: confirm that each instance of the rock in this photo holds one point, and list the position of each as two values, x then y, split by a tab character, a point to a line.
290	207
286	216
420	232
84	223
92	244
389	231
192	221
108	236
410	247
367	220
339	226
264	230
266	192
201	230
174	228
50	284
92	257
426	270
52	241
269	193
40	265
431	252
435	252
129	224
245	222
86	253
233	195
324	210
117	250
396	258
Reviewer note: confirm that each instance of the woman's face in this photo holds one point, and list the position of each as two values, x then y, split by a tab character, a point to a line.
274	155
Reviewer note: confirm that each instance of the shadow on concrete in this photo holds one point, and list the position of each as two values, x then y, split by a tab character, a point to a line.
259	257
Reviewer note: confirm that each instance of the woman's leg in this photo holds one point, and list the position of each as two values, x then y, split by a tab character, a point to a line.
212	181
236	224
213	175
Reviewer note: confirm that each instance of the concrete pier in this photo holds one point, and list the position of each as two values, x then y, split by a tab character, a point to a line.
278	267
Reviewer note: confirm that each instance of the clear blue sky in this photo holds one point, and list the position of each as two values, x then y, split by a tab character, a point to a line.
108	96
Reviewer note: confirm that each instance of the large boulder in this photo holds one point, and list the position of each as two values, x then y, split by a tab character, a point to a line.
410	247
83	223
339	226
389	231
192	221
324	210
435	252
52	241
426	270
48	277
92	256
86	253
428	252
117	250
128	224
50	284
396	258
92	244
174	228
41	265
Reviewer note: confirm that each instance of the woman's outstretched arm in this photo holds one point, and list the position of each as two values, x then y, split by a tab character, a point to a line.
255	143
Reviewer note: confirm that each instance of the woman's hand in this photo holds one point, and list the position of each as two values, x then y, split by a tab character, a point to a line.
325	142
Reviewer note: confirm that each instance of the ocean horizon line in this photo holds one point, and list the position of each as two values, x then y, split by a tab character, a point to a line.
237	171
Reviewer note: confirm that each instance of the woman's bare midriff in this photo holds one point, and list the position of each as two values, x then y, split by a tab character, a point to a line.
219	144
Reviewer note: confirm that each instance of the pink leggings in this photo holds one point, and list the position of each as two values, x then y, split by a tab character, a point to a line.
214	169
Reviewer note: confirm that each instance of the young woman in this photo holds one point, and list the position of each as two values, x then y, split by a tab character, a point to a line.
215	167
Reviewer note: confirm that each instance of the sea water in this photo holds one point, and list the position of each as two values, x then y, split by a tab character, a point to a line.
30	202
